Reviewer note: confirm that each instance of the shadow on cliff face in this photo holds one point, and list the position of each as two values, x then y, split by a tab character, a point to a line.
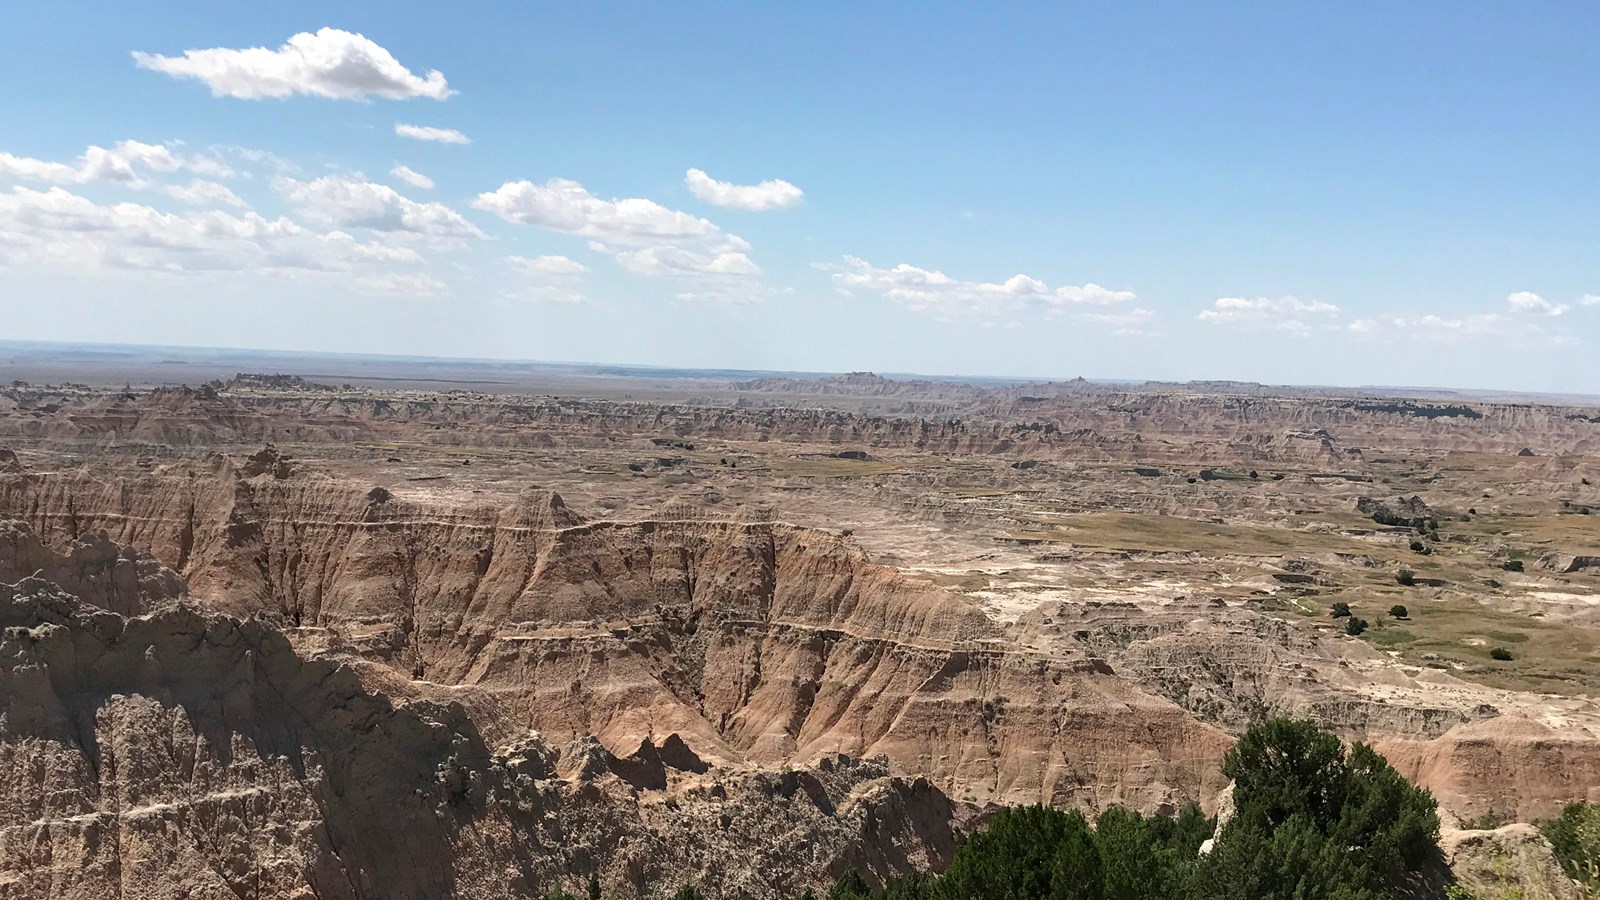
391	785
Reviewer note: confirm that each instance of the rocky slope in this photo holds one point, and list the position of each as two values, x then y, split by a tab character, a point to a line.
179	754
1132	426
755	642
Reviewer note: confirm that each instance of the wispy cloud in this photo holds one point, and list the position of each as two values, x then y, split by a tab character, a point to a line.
429	133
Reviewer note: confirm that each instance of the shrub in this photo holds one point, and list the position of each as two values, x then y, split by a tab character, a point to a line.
1512	565
1313	822
1501	654
1420	547
1302	804
1406	577
1340	610
1575	837
850	886
1398	611
1355	626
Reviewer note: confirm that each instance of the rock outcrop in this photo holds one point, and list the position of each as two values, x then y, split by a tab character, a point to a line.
755	642
179	754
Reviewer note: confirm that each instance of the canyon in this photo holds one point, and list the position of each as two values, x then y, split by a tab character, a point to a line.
750	634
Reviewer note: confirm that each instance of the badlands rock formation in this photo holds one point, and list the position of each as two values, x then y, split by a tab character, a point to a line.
182	754
789	628
754	642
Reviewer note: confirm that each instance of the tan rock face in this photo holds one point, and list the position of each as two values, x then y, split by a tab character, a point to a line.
185	755
1509	767
1512	861
755	642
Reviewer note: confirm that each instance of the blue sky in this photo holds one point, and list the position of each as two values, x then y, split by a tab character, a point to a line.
1335	194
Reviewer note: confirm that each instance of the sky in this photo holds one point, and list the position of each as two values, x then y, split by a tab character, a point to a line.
1292	193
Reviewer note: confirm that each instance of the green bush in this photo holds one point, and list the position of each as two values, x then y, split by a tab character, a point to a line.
1575	837
1500	653
1398	611
1313	822
1355	626
1406	577
1340	610
1513	565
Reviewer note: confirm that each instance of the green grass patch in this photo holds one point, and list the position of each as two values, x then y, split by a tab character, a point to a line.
1389	637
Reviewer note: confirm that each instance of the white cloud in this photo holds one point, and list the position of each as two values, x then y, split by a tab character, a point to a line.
1276	313
1529	302
1132	321
339	202
1522	320
429	133
774	194
204	193
408	284
126	162
330	63
552	279
645	237
412	177
559	266
59	228
933	292
566	206
669	260
1591	300
1431	327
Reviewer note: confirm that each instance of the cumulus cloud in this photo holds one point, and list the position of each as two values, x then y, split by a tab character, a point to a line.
1529	302
339	202
56	227
1276	313
412	177
549	279
429	133
933	292
1591	300
669	260
774	194
126	162
330	63
550	266
204	193
1132	321
566	206
644	237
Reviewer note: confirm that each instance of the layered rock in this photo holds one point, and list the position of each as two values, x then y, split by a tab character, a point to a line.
755	642
184	755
